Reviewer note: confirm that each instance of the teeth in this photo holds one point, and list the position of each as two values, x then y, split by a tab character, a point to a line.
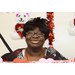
34	41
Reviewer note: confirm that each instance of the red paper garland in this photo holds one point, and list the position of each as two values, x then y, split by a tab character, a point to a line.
50	16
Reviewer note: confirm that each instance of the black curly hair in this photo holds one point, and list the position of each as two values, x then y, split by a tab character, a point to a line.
39	22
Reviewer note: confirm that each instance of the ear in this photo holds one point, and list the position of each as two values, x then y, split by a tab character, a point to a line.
17	14
27	14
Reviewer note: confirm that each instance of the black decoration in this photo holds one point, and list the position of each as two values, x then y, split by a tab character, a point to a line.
5	43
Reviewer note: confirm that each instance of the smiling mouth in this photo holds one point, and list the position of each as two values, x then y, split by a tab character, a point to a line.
35	41
21	20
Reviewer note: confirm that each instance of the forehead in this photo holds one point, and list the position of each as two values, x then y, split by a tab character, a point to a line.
37	28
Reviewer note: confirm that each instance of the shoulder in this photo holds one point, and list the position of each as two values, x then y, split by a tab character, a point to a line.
53	53
51	50
17	51
15	54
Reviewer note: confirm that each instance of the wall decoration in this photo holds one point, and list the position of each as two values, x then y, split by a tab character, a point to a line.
71	29
21	19
50	16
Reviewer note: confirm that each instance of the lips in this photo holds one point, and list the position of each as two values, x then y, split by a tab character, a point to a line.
35	41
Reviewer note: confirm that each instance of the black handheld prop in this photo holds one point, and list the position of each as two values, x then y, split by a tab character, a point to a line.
7	46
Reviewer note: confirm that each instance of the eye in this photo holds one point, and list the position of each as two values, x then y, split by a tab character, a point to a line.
19	15
30	33
39	33
24	15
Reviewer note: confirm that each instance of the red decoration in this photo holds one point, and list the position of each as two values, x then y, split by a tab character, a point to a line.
19	29
18	60
50	16
74	22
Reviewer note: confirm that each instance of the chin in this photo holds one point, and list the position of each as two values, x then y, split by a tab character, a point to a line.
35	46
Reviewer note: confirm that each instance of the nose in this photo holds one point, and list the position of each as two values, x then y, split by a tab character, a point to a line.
35	35
21	19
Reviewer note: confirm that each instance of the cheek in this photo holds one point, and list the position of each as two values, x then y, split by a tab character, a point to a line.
27	38
42	39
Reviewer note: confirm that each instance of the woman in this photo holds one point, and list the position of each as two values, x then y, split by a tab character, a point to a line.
36	32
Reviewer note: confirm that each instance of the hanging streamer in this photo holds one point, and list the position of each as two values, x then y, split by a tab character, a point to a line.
50	16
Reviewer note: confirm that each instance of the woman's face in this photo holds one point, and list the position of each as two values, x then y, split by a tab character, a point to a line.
35	38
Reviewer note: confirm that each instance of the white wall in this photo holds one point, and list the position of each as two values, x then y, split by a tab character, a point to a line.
64	43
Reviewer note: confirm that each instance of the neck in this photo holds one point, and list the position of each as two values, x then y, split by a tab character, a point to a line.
34	51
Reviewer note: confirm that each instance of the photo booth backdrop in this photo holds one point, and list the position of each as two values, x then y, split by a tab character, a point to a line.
64	42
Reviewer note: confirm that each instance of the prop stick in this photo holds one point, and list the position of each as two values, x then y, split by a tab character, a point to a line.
5	43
